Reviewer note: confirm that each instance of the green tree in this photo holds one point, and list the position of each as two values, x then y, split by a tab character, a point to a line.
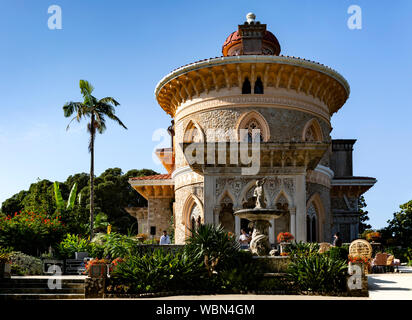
400	227
363	225
14	204
96	110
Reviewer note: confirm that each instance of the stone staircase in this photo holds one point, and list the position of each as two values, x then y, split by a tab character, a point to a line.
35	288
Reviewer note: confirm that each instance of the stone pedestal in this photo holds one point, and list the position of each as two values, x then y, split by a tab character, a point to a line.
357	282
260	241
94	287
273	264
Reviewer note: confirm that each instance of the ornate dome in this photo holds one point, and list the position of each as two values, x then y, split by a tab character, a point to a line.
234	40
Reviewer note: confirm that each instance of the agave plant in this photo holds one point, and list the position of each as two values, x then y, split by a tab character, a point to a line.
211	244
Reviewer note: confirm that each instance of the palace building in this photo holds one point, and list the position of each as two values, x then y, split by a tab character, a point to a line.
218	103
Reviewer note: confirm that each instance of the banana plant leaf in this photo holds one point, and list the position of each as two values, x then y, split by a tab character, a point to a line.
58	197
72	197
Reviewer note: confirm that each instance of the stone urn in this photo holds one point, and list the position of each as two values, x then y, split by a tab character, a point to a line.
97	270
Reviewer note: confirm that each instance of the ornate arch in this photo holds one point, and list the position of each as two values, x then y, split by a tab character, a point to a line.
192	202
253	120
315	203
312	132
226	193
284	195
193	133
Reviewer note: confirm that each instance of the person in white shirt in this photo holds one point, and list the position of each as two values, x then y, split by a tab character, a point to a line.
164	239
244	240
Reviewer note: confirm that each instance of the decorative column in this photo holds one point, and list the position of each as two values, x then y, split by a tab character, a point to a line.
300	204
209	198
237	226
292	212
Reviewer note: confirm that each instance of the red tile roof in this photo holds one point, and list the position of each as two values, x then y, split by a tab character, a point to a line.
155	177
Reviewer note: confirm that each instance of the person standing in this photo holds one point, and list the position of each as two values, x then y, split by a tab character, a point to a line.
164	239
244	240
337	242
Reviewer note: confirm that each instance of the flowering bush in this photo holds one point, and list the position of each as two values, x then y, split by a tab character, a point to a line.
30	232
285	237
95	262
114	263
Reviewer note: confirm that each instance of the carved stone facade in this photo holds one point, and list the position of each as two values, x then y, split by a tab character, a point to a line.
290	101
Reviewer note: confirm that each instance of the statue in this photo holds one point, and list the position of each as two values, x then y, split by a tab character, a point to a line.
259	193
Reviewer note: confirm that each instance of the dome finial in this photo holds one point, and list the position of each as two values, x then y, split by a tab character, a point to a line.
250	17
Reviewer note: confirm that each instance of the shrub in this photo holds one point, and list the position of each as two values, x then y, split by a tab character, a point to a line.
117	245
212	245
302	249
72	243
338	253
156	272
26	264
318	273
30	232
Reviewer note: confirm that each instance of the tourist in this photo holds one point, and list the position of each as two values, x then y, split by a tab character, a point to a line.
337	242
244	239
164	239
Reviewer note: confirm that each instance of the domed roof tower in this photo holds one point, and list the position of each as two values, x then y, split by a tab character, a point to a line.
251	38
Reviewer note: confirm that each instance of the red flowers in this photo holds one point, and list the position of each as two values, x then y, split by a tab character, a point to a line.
285	237
358	259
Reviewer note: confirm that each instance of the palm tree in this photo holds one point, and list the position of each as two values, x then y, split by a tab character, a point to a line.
96	110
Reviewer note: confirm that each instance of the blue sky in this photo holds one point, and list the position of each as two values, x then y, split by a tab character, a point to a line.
125	47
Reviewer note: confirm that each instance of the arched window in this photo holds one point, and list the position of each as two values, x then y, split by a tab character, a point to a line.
311	223
195	218
193	133
258	86
246	88
312	132
250	122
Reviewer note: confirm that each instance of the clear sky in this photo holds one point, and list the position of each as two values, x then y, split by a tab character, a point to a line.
125	47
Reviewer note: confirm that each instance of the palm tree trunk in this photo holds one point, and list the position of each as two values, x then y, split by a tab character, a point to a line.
92	132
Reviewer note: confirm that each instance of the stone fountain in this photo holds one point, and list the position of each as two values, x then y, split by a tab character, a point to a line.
261	217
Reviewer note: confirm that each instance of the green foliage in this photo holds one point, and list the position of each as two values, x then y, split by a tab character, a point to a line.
71	244
58	197
26	264
403	254
117	245
113	193
212	244
318	273
240	273
338	253
302	249
363	225
31	232
156	272
400	227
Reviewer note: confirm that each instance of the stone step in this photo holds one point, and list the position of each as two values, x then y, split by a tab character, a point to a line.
36	296
39	284
42	290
